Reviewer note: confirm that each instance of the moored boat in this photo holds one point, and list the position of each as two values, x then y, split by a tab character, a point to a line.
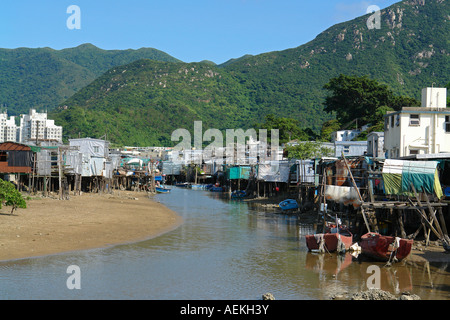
162	190
198	186
288	204
385	248
238	194
330	241
183	185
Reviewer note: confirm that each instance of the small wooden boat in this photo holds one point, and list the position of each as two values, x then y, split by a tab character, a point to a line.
216	189
329	241
238	194
162	190
288	204
385	248
198	186
183	185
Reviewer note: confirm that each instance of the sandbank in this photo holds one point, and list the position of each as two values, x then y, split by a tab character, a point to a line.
50	226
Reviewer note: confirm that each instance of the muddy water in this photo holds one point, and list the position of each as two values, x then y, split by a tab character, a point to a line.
224	250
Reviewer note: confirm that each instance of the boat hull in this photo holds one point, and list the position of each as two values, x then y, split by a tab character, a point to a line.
162	190
380	247
288	204
238	194
331	241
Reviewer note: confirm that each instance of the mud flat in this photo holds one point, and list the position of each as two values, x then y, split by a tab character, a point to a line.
49	226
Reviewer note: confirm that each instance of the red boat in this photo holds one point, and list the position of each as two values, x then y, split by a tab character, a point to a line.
330	239
385	248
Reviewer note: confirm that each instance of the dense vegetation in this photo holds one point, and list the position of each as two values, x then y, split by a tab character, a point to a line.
143	102
408	53
42	78
362	99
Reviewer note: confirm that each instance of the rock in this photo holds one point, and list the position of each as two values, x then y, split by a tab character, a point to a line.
378	294
373	294
268	296
409	296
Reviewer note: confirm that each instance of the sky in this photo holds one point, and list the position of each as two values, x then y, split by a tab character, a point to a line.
192	31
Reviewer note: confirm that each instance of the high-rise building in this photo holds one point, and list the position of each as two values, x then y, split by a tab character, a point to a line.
36	127
8	128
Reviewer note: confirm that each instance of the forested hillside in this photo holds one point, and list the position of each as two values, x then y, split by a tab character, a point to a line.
43	78
143	102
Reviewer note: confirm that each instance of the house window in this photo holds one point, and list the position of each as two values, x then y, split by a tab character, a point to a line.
397	122
447	123
346	149
414	151
96	149
3	156
392	121
414	120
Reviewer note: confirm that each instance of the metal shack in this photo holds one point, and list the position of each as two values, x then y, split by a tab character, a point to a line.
94	159
15	158
16	162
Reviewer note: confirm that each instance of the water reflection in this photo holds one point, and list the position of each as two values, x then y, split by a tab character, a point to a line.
224	250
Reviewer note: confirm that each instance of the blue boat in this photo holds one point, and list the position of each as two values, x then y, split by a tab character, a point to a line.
288	204
198	186
216	189
238	194
184	185
162	190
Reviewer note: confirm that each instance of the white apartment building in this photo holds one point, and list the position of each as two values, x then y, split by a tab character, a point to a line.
35	125
344	135
420	130
8	128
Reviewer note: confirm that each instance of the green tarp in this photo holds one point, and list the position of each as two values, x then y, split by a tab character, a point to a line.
420	174
239	173
398	175
392	183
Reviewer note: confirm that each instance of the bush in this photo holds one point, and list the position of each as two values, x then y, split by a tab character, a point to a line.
9	196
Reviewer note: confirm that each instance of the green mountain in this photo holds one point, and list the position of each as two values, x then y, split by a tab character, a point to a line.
43	77
143	102
410	51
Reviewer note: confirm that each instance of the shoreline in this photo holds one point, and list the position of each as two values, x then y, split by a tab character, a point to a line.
49	226
420	253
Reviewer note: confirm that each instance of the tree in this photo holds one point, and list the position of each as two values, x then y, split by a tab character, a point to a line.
360	98
308	150
329	127
289	129
9	196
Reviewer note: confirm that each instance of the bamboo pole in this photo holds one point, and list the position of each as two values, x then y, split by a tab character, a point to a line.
357	190
59	173
424	218
323	199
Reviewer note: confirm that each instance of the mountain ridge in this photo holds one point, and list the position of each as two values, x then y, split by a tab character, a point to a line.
42	78
408	52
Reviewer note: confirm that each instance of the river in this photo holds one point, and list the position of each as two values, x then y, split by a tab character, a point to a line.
223	250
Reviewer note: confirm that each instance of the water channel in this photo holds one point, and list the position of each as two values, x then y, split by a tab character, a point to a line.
223	250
